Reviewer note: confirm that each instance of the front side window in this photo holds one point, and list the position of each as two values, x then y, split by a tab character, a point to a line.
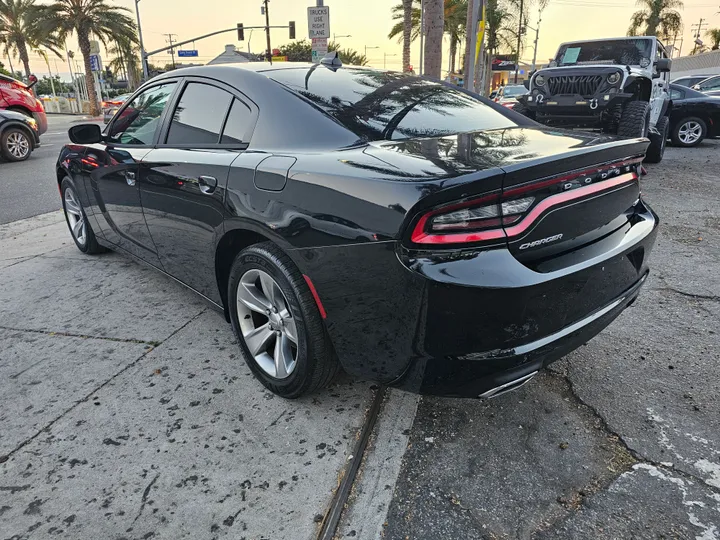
199	115
676	94
378	105
138	122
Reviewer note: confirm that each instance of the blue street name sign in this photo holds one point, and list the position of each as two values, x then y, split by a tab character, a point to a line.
188	53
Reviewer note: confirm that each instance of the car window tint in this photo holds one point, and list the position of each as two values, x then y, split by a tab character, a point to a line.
676	94
199	115
378	105
712	84
138	122
237	124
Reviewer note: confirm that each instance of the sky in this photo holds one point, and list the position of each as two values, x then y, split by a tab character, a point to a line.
368	22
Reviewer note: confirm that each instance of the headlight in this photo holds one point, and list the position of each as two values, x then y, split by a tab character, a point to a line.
539	80
613	78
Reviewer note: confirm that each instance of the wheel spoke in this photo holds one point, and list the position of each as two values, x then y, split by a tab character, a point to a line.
78	228
72	207
283	356
253	297
269	287
258	340
290	326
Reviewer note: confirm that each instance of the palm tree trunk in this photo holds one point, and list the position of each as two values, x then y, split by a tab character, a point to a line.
84	42
407	32
435	23
23	53
453	51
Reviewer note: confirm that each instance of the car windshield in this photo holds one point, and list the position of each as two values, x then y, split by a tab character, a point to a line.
629	52
377	105
514	91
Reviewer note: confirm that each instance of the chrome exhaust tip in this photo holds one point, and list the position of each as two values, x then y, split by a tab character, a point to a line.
508	386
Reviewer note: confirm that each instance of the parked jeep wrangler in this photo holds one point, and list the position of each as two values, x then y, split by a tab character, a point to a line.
619	85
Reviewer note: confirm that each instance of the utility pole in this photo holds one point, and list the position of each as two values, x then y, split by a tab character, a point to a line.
267	30
143	58
699	28
537	36
172	51
470	57
520	23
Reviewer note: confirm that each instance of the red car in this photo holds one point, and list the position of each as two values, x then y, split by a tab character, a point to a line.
16	96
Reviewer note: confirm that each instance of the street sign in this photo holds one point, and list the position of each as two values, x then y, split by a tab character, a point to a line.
95	64
318	22
94	47
279	58
319	49
187	53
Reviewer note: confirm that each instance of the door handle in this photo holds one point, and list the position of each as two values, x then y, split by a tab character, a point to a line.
207	184
130	178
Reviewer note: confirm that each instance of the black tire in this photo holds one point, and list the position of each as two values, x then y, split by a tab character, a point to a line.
316	364
13	135
656	150
679	140
522	109
635	120
90	246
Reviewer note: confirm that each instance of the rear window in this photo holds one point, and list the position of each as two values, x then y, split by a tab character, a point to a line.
378	105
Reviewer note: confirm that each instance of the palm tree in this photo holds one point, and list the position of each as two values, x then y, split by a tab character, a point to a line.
714	35
408	26
126	61
500	27
658	17
20	30
435	24
407	32
85	17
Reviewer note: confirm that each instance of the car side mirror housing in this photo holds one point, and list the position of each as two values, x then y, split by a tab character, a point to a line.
663	65
85	134
526	84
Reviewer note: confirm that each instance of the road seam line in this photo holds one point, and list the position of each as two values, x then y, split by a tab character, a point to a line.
6	457
83	336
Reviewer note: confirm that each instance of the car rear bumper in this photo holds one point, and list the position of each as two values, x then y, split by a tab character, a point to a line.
41	119
460	323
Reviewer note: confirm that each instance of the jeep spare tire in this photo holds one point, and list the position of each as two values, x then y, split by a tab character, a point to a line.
635	120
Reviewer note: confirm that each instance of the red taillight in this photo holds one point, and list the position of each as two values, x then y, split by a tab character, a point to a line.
495	217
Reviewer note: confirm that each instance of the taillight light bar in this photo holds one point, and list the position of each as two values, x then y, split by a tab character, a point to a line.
495	217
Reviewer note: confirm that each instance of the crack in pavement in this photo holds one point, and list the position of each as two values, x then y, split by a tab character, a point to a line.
47	427
634	453
145	494
82	336
690	295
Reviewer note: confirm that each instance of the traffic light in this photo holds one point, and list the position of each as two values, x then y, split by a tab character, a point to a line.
241	32
292	29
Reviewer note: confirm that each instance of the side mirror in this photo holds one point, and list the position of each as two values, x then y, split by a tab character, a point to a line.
32	80
663	65
85	134
526	84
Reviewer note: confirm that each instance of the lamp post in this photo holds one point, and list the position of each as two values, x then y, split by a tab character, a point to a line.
143	58
335	36
385	55
366	50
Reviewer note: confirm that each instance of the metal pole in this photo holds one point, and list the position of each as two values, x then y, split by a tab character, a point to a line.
72	78
537	36
143	56
422	33
517	61
267	31
470	60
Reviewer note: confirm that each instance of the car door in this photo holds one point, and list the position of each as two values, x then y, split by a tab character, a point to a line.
184	179
660	87
115	167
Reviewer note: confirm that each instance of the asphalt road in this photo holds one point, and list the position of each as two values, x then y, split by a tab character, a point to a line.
29	188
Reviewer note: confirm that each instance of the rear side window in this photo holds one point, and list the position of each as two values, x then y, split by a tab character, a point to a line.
378	105
237	126
199	115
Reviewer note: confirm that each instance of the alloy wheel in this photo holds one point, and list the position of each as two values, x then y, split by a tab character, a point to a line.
266	323
690	132
76	217
18	145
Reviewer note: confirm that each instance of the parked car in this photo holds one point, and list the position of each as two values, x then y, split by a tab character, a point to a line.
486	246
16	96
690	80
695	116
507	95
618	85
112	105
18	136
709	86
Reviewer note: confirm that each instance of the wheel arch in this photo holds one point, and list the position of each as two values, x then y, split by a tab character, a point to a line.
641	87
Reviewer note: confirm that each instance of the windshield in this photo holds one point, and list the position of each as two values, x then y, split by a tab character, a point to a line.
514	91
377	105
629	52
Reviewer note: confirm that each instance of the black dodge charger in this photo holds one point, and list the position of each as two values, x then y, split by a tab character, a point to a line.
402	229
